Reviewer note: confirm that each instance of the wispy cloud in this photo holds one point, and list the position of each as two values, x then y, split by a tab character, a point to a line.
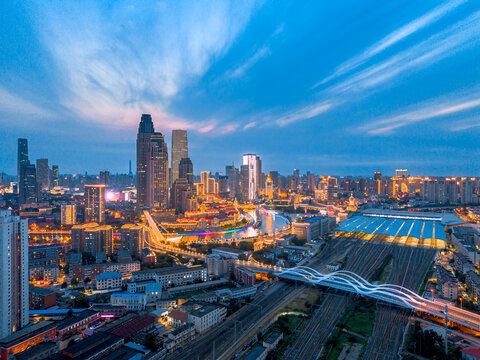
304	113
242	69
136	57
433	109
464	34
393	38
14	104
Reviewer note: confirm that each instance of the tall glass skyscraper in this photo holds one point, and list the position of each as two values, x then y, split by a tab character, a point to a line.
22	158
179	151
152	166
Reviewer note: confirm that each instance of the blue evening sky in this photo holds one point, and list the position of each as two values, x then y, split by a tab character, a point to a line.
334	87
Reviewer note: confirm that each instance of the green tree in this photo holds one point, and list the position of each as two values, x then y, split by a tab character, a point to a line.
74	281
81	301
151	342
242	257
64	285
245	245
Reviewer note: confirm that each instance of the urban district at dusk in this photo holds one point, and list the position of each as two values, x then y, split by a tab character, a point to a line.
240	180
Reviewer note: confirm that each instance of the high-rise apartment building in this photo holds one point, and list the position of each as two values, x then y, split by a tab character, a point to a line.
22	157
232	175
185	170
55	175
99	239
399	173
105	177
69	214
134	238
377	175
179	151
251	162
43	177
152	166
13	273
94	198
27	184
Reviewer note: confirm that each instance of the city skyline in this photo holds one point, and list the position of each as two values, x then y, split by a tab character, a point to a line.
231	79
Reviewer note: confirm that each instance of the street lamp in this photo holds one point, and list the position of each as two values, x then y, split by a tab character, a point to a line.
461	302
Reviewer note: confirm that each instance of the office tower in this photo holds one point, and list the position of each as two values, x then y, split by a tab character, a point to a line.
69	214
223	186
134	237
22	157
99	239
13	273
466	190
159	171
252	162
179	151
231	173
105	177
27	184
269	187
182	193
185	170
399	173
43	177
204	176
152	166
130	168
311	183
377	175
94	198
260	180
274	178
55	175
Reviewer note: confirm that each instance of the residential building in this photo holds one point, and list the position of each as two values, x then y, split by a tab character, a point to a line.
69	214
131	301
206	316
179	337
14	274
108	280
27	184
173	276
94	203
134	238
219	266
98	239
245	276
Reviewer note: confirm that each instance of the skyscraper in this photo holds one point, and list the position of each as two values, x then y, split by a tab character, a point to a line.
13	273
159	171
27	184
105	177
185	170
22	157
252	163
94	198
55	175
69	214
152	166
231	173
43	176
179	151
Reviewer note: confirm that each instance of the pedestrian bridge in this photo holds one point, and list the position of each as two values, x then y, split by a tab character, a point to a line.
394	294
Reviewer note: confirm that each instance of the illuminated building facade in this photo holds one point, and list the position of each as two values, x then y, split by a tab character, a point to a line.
69	214
179	151
94	203
14	298
99	239
133	238
252	168
152	166
401	173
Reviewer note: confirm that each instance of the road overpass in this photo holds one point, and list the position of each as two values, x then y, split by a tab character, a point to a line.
394	294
